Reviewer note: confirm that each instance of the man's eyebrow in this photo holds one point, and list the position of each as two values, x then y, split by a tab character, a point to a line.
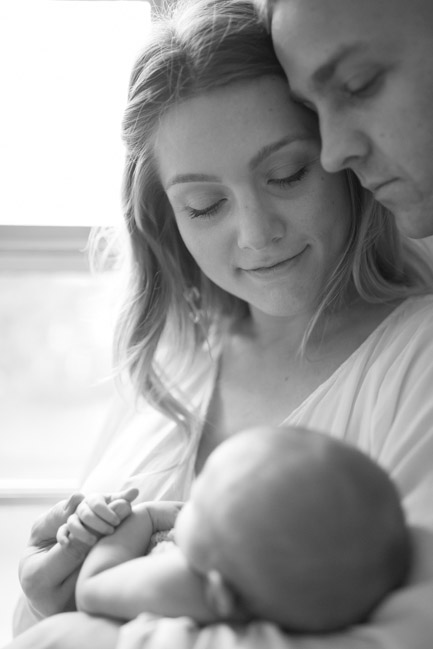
324	74
192	178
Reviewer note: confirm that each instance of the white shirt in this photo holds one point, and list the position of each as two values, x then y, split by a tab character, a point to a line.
381	400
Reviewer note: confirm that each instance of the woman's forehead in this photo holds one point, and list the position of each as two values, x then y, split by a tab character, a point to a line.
240	118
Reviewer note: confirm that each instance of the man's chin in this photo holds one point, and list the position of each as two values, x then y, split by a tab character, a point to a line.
414	223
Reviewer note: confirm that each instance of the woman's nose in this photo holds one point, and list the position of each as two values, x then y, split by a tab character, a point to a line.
258	226
344	143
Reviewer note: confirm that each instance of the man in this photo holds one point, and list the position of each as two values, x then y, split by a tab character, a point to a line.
366	68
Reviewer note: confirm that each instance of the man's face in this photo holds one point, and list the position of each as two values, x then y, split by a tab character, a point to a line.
366	68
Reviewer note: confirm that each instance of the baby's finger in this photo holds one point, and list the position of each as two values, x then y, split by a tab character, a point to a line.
122	508
79	532
92	521
98	504
62	535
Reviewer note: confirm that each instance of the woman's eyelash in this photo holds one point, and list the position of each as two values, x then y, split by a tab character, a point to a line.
289	180
195	213
207	211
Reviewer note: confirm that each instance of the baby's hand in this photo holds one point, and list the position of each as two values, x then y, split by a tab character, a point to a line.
96	516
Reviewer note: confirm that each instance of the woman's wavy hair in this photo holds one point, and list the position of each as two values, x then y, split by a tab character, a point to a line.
195	47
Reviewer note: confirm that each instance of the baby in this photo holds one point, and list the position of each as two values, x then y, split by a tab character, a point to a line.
283	524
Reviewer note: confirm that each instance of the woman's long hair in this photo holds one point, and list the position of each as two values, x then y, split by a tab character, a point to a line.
198	46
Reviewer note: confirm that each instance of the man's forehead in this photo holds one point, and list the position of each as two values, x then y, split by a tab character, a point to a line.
331	13
313	37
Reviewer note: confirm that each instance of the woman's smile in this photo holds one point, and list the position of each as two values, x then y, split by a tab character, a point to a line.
275	269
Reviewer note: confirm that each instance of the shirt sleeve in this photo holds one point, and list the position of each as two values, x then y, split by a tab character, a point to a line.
401	434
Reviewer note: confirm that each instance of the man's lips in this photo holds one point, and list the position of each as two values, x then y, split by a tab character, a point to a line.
378	186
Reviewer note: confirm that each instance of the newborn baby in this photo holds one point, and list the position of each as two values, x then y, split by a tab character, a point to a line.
283	524
295	527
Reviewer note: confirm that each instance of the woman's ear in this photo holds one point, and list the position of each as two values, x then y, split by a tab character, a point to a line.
221	599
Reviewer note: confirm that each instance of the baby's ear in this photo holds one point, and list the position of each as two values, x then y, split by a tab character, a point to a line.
221	599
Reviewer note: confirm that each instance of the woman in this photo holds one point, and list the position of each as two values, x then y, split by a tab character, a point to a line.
263	290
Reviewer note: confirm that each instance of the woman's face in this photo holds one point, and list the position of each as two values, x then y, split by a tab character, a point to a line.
262	219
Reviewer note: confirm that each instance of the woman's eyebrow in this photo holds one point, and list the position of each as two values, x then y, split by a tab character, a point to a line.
261	155
271	148
192	178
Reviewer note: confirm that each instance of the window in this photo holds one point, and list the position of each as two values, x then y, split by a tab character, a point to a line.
65	72
66	66
61	163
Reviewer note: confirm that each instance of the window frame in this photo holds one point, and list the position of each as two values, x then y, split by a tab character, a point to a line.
27	248
49	249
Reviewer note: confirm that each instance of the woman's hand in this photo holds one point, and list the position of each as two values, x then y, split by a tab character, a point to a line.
49	569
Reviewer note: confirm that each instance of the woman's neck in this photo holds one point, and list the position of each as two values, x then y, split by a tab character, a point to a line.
355	319
269	331
263	377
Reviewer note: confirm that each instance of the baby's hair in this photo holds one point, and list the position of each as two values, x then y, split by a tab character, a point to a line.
307	531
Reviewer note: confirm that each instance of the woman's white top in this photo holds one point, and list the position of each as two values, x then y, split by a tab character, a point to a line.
380	400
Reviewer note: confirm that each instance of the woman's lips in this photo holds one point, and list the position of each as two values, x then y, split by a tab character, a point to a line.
270	269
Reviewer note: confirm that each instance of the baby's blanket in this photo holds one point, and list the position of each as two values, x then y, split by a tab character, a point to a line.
161	541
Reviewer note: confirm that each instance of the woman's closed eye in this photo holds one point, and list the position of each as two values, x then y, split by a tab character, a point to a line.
288	181
207	211
215	207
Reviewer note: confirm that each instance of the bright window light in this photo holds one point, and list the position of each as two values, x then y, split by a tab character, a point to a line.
65	71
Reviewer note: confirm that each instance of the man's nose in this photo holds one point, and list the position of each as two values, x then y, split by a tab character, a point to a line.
344	144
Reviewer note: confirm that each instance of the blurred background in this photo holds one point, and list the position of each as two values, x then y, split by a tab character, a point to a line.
65	66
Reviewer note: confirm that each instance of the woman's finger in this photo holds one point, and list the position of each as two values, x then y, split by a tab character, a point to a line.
45	527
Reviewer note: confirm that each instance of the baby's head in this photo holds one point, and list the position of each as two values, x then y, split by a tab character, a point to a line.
297	528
